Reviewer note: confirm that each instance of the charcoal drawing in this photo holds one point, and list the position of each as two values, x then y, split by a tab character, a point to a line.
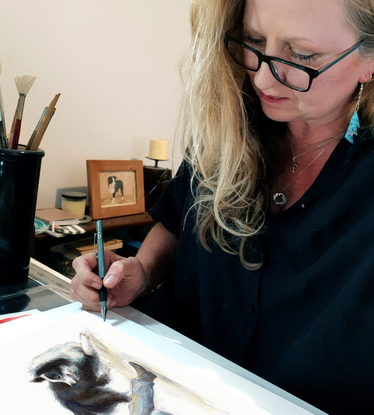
80	381
82	366
77	378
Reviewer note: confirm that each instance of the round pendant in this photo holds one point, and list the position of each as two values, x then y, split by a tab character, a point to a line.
279	199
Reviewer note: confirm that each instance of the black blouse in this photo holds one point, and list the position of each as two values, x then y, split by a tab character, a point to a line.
304	320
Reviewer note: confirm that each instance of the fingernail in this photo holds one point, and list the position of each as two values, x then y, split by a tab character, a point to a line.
96	286
109	280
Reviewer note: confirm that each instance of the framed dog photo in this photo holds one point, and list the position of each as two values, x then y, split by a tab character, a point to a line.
115	187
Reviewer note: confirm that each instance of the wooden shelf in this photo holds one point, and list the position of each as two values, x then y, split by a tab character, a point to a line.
112	223
42	244
120	222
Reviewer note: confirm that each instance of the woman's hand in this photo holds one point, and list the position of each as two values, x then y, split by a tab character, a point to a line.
125	280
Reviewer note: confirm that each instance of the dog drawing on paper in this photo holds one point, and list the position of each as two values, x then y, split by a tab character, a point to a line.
80	381
114	186
77	378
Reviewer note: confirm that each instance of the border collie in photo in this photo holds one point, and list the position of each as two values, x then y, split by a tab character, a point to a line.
114	186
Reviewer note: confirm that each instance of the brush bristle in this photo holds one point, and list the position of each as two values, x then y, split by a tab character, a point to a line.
24	83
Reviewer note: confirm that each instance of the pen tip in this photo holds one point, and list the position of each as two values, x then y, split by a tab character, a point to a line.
103	312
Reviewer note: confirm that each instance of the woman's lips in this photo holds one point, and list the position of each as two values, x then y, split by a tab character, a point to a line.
271	99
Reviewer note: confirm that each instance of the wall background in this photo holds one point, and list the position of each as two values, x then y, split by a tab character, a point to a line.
115	63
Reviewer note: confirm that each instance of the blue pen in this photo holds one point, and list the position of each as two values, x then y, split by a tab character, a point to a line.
101	266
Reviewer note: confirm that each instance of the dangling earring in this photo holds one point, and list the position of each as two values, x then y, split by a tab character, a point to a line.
354	124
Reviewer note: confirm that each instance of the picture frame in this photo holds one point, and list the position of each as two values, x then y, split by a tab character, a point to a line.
115	188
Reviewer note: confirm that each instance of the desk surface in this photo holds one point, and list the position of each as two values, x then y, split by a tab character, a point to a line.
45	289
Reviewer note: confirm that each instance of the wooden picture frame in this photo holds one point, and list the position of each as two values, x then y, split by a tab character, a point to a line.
115	188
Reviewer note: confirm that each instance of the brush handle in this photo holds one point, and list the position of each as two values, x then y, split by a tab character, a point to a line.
3	135
3	140
35	140
17	131
44	124
32	138
16	126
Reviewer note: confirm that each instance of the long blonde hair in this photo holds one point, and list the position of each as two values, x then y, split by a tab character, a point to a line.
223	122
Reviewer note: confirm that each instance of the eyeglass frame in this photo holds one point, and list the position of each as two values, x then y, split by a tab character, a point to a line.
313	73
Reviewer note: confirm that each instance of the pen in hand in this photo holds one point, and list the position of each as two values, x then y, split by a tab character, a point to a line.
101	267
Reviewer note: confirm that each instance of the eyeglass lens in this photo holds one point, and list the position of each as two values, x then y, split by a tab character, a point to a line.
286	74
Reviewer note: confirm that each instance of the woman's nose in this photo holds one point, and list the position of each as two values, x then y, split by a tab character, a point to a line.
263	78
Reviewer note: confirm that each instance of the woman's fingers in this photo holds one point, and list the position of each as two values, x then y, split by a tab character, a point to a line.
125	280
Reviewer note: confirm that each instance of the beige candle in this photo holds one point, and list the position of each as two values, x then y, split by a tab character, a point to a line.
158	149
74	202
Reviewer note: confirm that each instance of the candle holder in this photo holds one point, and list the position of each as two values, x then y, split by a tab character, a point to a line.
155	160
155	181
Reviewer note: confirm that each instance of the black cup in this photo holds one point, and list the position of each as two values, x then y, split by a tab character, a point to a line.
19	179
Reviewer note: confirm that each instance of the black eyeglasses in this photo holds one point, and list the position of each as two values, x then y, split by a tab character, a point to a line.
297	77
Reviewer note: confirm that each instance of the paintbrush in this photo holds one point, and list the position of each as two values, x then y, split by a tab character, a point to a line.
3	137
33	135
32	138
36	138
23	84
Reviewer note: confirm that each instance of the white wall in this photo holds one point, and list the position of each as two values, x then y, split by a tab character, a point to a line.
115	63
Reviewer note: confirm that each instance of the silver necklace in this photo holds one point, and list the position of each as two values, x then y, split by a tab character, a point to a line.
295	156
279	198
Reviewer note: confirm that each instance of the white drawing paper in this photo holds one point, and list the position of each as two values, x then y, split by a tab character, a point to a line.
83	366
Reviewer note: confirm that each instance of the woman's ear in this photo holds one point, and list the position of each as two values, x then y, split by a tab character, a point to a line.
365	78
367	71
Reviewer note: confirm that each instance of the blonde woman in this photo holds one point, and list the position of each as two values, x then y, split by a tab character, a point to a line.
263	239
